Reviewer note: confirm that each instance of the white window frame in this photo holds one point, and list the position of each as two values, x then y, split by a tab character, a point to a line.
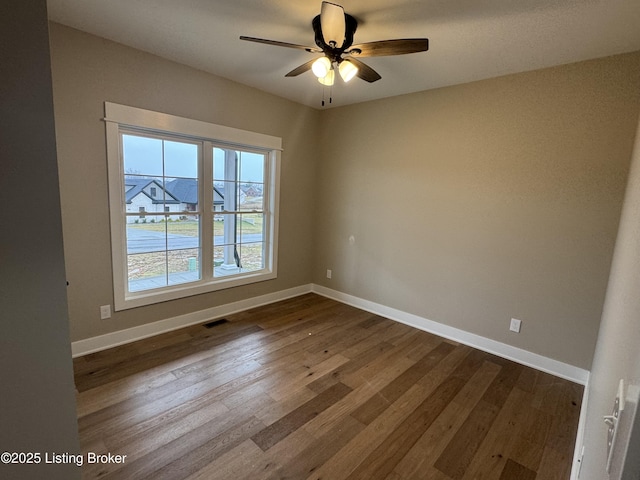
128	118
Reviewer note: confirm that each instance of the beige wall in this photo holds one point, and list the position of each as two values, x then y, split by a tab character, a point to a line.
88	70
473	204
468	205
618	350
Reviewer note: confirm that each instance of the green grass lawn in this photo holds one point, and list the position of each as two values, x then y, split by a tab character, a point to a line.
252	224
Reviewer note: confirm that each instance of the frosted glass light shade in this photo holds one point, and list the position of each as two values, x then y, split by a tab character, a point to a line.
328	79
332	23
321	67
347	70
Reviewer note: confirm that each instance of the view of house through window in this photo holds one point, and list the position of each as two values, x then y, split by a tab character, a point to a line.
193	205
161	177
163	211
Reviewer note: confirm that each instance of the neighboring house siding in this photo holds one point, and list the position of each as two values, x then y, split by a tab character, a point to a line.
142	200
180	195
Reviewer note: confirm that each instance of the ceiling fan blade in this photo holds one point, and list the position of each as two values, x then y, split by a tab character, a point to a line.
332	23
383	48
301	69
280	44
365	72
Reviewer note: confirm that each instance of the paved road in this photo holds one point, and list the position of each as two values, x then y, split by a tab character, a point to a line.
144	241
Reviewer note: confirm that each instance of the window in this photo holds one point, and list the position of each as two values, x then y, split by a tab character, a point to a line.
193	206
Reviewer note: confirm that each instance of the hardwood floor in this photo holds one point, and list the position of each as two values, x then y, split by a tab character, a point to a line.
309	388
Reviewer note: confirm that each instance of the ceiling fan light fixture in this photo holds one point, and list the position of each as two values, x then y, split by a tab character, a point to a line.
321	67
347	70
329	78
333	24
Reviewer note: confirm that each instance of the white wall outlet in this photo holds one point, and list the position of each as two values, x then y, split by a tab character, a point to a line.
515	325
105	312
328	273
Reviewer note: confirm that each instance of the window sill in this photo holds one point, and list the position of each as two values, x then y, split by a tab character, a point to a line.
182	290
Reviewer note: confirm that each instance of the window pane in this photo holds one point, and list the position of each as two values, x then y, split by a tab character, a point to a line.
250	196
251	167
220	267
147	270
218	197
183	240
145	233
146	195
183	233
162	251
183	266
181	195
225	252
142	156
251	256
250	228
224	229
227	195
218	164
180	159
146	252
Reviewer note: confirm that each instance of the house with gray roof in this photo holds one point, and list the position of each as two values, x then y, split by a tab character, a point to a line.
148	196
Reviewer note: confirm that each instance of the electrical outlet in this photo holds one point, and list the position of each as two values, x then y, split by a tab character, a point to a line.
515	325
105	312
328	273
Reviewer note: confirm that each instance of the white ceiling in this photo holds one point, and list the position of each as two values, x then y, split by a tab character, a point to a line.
469	39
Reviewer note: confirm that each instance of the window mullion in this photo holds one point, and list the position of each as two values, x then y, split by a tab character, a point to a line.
206	209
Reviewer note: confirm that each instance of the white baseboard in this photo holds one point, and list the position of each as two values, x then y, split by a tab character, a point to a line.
539	362
109	340
524	357
579	447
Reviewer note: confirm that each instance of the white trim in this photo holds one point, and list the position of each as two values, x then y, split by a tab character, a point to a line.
140	118
118	119
109	340
524	357
579	447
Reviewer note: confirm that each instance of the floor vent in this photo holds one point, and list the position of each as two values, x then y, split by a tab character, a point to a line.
215	323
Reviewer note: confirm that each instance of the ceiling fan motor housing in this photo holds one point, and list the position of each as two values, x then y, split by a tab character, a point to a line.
334	52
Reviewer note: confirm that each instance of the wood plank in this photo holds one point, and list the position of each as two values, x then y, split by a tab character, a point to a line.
458	455
381	461
231	464
311	388
307	461
461	449
515	471
367	412
269	436
357	362
432	443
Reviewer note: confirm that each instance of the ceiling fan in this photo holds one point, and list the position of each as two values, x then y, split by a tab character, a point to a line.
334	30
